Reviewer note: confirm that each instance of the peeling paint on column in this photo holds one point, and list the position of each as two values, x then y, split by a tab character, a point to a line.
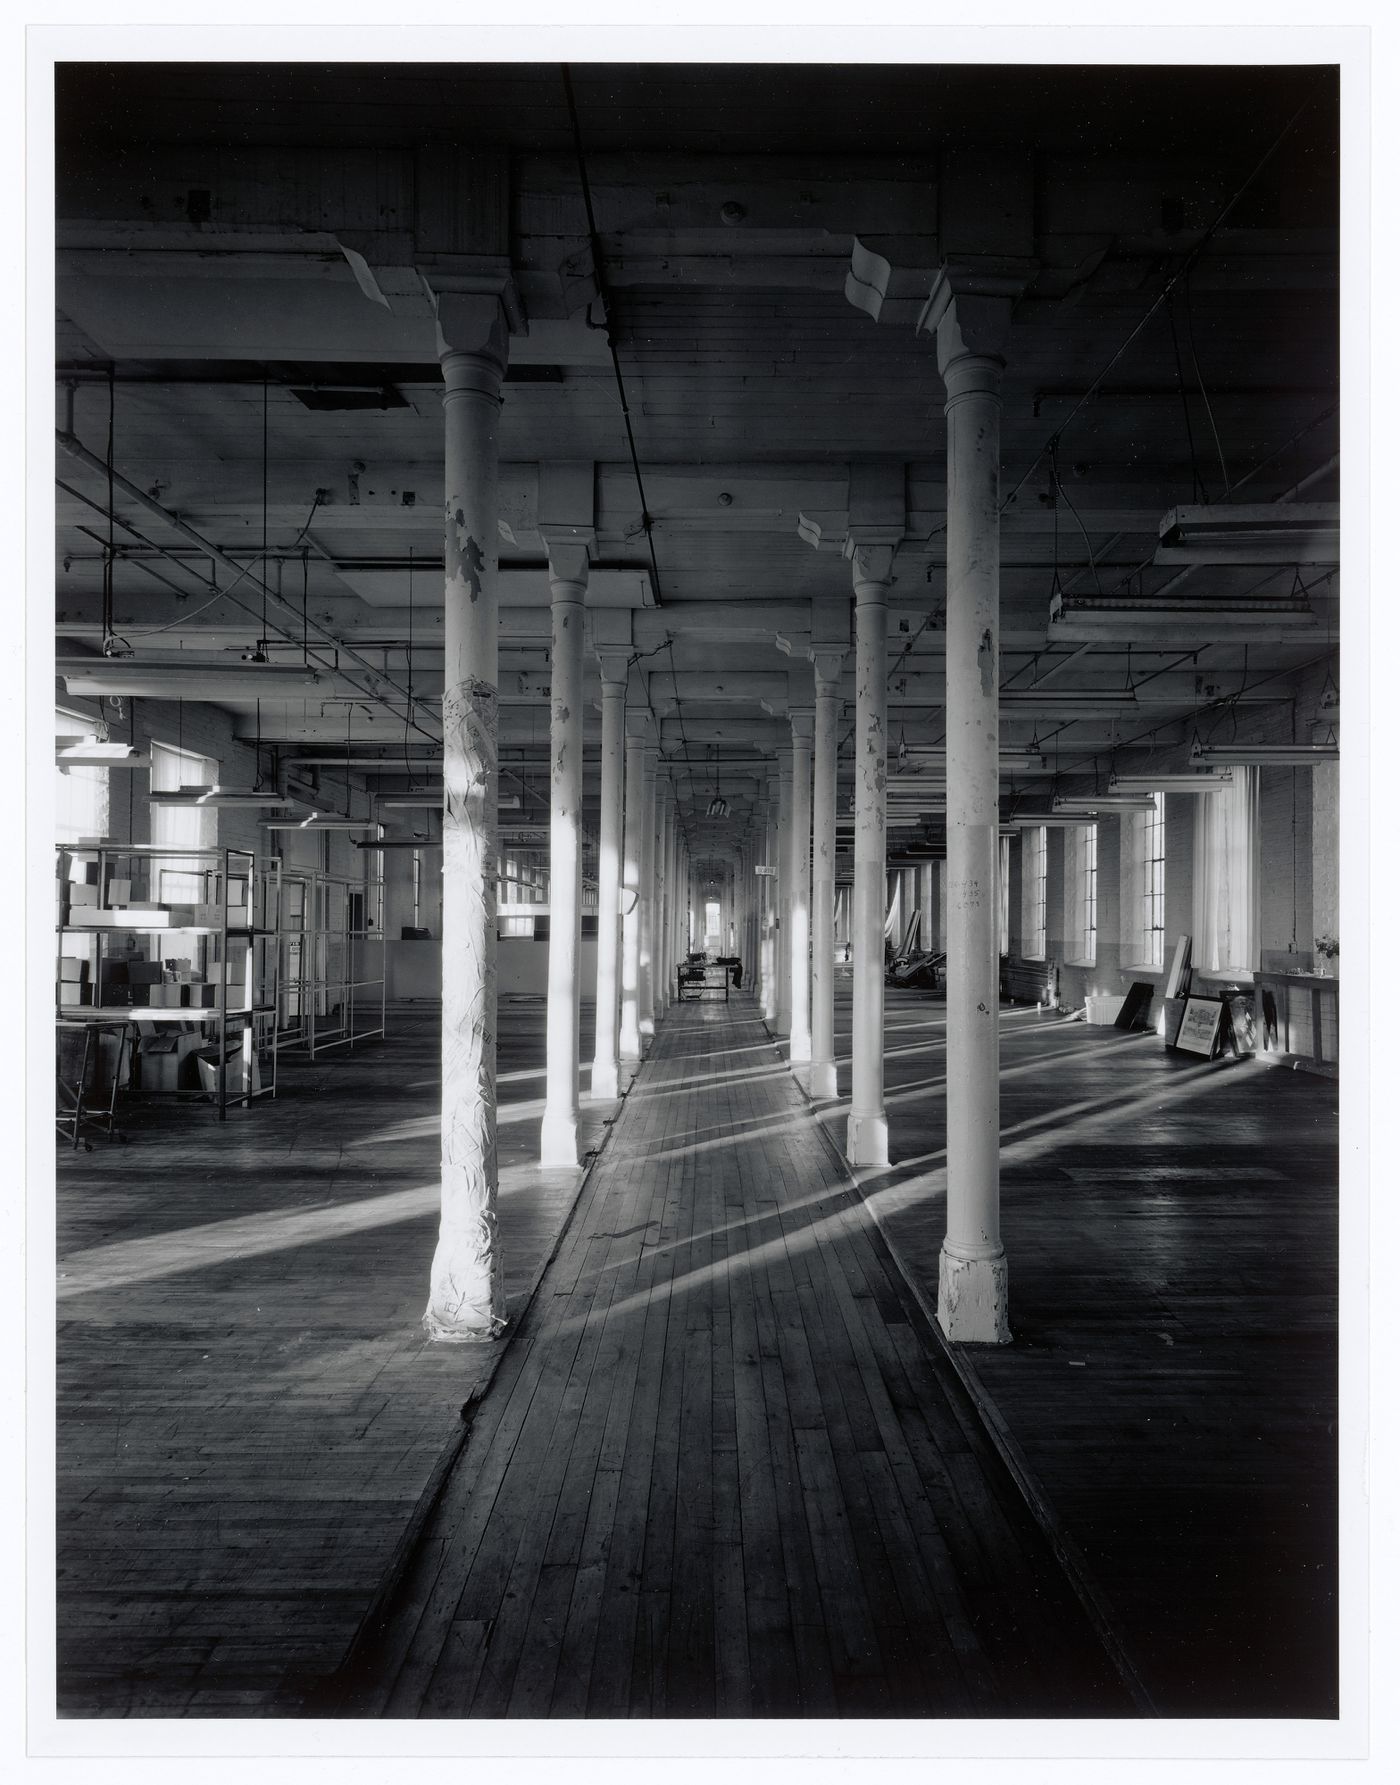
987	663
466	1296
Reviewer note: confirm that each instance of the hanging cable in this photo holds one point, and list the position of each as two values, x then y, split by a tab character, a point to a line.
1197	487
1201	384
112	646
1162	296
596	249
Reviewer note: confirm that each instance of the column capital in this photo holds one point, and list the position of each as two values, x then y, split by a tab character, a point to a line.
473	324
804	723
641	727
871	565
568	568
613	664
828	663
969	307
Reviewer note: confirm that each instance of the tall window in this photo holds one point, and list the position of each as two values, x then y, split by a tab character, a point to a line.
1003	895
1144	883
1225	901
1082	893
181	827
1033	893
81	804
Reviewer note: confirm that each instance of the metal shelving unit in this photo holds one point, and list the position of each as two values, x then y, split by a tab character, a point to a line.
333	962
218	910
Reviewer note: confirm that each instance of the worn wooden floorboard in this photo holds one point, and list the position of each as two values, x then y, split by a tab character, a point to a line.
1171	1232
711	1505
248	1412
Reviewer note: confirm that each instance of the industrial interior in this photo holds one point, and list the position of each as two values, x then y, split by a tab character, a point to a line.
697	730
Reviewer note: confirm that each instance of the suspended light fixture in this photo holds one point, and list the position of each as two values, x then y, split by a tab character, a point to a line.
1089	618
1107	802
1207	781
164	677
315	822
93	753
1283	756
1251	533
718	806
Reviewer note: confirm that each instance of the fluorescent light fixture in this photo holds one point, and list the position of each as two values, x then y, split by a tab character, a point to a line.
1059	700
1286	756
167	676
1088	618
92	754
1050	820
423	803
219	795
315	822
1107	802
1008	757
1206	782
397	842
1251	533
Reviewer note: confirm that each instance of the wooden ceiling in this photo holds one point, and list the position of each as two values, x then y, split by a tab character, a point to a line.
204	213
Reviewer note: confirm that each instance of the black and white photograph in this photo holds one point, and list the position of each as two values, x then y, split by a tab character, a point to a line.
690	902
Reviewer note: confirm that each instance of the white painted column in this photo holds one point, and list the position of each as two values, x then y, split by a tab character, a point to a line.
664	974
783	916
646	935
466	1302
630	1023
928	920
568	584
821	1080
613	665
972	1280
772	883
799	899
867	1129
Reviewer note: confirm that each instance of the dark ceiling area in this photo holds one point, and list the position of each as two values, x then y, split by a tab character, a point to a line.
243	257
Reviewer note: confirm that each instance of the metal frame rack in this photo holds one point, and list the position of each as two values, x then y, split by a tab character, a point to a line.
237	903
329	951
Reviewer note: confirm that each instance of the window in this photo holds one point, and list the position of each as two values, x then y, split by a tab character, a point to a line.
1225	902
1082	893
81	803
1003	895
1033	893
1144	883
181	827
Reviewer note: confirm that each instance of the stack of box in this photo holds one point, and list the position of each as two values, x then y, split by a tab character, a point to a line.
73	988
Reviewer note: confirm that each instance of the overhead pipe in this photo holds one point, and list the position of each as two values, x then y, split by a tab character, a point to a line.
75	449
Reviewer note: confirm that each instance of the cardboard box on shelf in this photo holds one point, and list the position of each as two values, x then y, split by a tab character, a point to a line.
72	969
70	995
145	972
80	893
118	890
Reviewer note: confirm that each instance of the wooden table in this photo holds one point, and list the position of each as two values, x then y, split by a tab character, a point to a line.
1305	1025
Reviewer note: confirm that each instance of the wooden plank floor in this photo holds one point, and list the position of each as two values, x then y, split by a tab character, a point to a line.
1171	1231
725	1469
248	1412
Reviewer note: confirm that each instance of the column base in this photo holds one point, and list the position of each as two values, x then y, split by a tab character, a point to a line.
799	1047
821	1079
867	1140
602	1084
973	1300
559	1142
648	1028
